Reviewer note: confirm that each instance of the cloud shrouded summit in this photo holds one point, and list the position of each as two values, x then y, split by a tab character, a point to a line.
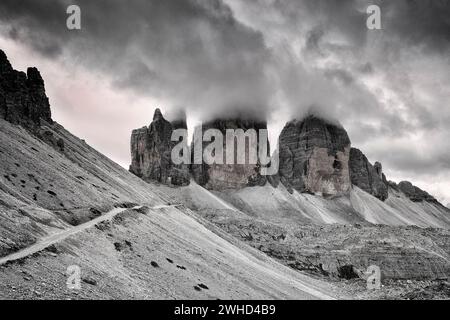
274	59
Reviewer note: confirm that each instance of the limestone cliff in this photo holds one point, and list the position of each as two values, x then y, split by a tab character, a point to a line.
314	156
151	149
366	176
22	96
228	176
414	193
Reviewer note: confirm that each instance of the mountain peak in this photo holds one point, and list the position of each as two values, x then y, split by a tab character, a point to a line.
151	152
5	65
314	156
414	193
34	76
157	115
25	102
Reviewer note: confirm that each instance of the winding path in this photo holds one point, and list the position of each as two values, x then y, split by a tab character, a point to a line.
58	237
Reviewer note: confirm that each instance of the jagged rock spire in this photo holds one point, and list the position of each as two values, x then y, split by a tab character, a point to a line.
157	115
24	100
151	153
366	176
34	77
5	66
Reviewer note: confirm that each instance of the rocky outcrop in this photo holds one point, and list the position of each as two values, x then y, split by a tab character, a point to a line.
228	176
151	149
366	176
414	193
22	96
345	251
314	156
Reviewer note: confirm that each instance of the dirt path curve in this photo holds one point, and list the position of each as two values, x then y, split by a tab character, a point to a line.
58	237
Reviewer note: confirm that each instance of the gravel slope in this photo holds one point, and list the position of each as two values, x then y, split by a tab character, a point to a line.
68	207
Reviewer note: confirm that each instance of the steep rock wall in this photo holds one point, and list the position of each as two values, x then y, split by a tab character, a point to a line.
366	176
314	157
22	96
228	176
151	149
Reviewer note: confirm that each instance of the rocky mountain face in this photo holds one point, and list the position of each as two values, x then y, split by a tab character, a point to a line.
151	149
414	193
53	196
314	157
345	251
228	176
366	176
151	155
23	101
22	96
77	207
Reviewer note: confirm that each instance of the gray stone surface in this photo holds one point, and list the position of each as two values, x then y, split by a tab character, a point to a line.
22	96
151	149
366	176
415	193
228	176
314	157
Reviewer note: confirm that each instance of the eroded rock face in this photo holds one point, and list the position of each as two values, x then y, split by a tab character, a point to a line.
415	193
151	149
314	157
345	251
22	96
366	176
228	176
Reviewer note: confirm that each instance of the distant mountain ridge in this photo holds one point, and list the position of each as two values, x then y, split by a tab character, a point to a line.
315	157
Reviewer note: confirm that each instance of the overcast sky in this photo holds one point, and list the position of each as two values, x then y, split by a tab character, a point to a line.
271	59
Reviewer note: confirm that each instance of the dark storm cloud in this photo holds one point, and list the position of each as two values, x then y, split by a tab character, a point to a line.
420	22
413	30
412	22
192	53
389	87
